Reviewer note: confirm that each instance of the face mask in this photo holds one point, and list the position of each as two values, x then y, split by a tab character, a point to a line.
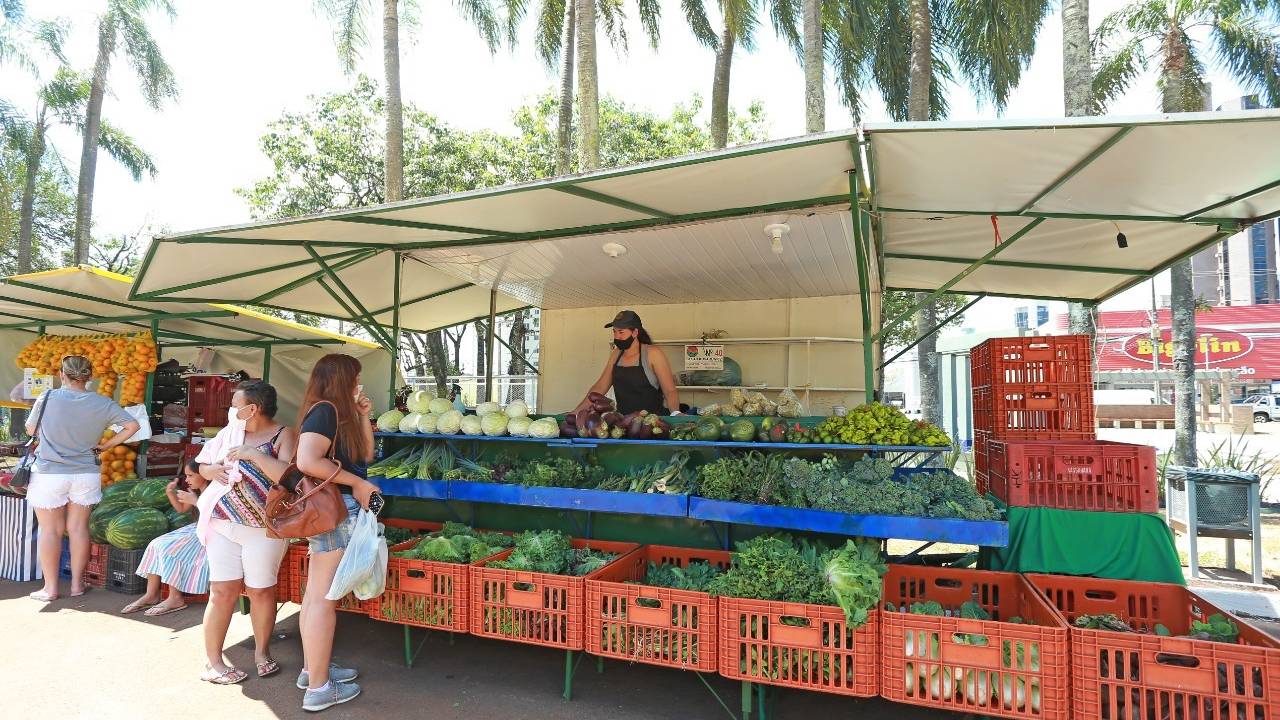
233	418
624	344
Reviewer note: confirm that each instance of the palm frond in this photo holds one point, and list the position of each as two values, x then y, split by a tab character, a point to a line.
409	19
349	32
12	10
939	103
650	12
15	128
124	150
611	16
1250	48
993	41
13	52
156	77
1142	18
550	34
695	14
1114	73
741	19
52	35
515	12
65	95
786	17
481	14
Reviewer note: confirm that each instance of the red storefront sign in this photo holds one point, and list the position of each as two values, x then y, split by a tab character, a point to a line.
1245	338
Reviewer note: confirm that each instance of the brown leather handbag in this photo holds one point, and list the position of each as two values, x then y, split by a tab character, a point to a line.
300	506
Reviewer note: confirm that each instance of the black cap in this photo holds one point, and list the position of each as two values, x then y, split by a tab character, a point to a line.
625	320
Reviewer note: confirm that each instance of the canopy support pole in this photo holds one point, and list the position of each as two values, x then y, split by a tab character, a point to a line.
518	354
972	268
937	326
375	330
488	345
398	260
266	364
147	396
359	257
864	289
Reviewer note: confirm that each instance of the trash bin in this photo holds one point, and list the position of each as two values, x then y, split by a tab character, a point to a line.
1224	503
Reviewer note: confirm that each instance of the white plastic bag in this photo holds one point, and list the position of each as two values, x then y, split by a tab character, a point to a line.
139	413
364	563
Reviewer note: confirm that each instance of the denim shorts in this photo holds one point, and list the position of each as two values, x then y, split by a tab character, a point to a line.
337	538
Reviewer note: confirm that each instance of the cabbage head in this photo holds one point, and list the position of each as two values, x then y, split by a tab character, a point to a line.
389	421
519	426
449	423
418	401
494	424
545	428
471	425
439	406
486	408
409	423
427	423
517	408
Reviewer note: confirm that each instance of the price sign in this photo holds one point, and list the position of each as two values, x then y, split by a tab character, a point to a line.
34	383
703	357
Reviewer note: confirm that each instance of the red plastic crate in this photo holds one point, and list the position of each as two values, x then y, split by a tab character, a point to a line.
534	608
208	399
1142	675
981	461
824	654
1035	412
655	625
991	668
426	594
1074	475
1052	359
95	571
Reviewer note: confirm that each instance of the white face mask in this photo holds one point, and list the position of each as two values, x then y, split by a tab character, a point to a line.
233	418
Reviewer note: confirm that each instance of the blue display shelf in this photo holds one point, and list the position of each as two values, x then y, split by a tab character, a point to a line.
592	442
479	438
413	487
571	499
967	532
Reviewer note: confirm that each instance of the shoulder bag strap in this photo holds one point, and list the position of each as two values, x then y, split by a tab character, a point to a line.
40	417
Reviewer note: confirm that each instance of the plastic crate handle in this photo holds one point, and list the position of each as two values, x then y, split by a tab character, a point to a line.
654	615
809	636
528	598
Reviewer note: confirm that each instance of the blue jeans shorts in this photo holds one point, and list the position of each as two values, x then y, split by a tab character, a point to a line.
337	538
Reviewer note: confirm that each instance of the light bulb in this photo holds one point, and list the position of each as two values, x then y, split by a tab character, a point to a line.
776	245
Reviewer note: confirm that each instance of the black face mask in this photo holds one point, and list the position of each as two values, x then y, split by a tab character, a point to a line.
624	344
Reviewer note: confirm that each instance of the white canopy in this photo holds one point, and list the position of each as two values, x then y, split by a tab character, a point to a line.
693	228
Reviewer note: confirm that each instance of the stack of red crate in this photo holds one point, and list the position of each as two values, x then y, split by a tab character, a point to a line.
208	399
1030	388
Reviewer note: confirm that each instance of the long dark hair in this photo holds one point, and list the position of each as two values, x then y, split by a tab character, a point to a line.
333	380
643	335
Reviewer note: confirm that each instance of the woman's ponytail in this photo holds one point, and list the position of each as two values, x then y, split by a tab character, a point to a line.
644	337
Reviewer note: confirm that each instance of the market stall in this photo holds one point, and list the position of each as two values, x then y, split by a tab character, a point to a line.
792	242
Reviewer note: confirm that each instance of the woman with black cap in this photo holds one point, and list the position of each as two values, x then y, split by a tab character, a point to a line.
637	371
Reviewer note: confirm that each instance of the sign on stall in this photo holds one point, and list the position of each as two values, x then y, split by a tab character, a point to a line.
34	383
703	357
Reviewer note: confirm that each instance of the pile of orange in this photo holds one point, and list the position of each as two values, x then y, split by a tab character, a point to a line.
118	463
112	355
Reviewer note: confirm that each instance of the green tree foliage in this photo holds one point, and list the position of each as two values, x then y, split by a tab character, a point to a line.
897	302
54	216
330	155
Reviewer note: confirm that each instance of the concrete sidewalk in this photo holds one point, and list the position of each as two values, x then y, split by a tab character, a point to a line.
78	658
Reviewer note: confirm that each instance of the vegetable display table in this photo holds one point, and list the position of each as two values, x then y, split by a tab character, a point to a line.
1119	546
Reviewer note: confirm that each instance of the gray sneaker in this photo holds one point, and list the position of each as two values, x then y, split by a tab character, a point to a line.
336	674
338	693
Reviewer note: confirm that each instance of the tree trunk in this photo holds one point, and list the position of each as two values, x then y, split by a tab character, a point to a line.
918	110
92	128
588	88
815	102
393	162
921	62
720	90
564	127
439	362
482	362
516	366
26	218
1077	79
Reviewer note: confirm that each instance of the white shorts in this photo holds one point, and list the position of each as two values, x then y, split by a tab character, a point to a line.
49	491
238	551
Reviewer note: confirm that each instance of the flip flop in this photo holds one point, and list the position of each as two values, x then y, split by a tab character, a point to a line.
268	668
158	610
42	596
230	677
136	606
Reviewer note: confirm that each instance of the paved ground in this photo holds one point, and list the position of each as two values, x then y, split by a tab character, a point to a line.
79	659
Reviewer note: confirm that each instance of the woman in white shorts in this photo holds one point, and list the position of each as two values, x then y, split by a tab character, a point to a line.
232	526
65	484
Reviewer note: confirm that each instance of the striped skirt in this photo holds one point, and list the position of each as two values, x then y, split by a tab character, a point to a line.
179	559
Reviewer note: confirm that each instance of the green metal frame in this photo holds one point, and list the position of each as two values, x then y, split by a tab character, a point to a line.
862	257
937	326
121	318
1020	264
395	328
364	317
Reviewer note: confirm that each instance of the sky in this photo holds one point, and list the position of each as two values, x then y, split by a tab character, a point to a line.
241	64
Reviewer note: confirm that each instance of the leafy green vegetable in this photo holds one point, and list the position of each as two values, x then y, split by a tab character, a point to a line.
551	552
928	607
1218	629
697	575
1109	621
853	575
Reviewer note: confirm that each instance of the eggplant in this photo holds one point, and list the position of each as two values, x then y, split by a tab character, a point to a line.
567	429
644	433
594	397
634	426
661	428
580	421
614	419
592	424
571	419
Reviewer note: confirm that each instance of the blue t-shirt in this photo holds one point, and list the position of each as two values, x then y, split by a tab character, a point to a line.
323	420
71	424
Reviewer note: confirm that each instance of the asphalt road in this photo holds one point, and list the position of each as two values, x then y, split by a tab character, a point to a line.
78	658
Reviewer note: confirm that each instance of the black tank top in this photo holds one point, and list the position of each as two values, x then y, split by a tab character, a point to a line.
633	392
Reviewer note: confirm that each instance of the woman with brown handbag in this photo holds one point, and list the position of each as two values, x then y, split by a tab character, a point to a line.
335	442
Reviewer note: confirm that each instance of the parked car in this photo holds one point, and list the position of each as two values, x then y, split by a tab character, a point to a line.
1265	407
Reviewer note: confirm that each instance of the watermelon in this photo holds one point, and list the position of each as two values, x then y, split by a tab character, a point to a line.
177	519
117	488
102	515
133	529
150	494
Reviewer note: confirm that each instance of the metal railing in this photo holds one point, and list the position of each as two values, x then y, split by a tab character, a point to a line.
508	387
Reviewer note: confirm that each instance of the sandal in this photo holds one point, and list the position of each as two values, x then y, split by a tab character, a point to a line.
230	677
158	610
268	668
42	596
135	606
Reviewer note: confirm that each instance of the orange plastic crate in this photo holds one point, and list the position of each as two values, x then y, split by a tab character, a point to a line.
350	603
426	594
655	625
993	668
1038	359
534	608
824	654
1140	675
1074	475
1035	412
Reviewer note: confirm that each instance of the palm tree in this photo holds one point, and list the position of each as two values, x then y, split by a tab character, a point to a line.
1077	77
62	101
1243	38
815	102
122	22
740	20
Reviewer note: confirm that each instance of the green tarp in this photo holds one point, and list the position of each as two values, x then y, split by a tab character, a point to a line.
1121	546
